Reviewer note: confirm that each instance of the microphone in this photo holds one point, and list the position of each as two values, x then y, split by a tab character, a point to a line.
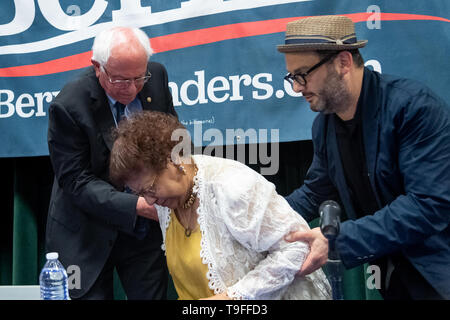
330	218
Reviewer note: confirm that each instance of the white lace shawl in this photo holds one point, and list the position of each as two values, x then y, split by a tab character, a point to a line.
243	221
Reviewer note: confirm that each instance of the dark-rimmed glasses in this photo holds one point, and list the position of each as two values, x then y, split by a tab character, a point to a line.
125	83
300	77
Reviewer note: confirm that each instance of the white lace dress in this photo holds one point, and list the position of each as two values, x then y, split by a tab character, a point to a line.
242	222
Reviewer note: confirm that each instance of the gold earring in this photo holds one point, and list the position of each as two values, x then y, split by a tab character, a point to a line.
182	169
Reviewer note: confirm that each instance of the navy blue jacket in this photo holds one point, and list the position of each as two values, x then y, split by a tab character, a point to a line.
406	132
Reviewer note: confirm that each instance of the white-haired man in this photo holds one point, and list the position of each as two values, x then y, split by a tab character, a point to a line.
90	223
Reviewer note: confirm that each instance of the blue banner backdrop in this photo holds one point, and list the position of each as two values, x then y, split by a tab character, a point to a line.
224	70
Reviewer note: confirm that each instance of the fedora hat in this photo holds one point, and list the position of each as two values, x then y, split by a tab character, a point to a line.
321	33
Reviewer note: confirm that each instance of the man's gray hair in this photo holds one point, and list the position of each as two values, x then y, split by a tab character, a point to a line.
105	40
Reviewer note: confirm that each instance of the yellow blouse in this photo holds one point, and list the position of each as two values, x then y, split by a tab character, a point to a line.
184	262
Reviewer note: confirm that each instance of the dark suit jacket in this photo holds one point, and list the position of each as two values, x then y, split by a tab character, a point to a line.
86	211
406	131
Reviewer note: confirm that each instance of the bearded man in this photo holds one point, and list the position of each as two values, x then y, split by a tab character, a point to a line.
381	149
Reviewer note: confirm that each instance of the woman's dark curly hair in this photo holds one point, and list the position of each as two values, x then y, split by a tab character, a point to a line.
145	141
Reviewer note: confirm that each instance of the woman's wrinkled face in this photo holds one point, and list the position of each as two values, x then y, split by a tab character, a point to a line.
167	188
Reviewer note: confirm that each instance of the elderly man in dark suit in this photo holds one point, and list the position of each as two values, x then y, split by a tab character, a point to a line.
90	223
382	148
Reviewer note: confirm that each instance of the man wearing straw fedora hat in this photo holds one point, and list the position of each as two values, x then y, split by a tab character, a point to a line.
381	149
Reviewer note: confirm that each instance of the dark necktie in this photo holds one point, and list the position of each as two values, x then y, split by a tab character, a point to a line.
120	111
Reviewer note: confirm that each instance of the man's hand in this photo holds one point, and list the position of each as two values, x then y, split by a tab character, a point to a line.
145	210
318	245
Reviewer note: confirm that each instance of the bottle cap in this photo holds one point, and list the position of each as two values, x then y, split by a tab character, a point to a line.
52	255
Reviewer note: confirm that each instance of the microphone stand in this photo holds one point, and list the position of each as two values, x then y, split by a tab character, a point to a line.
329	226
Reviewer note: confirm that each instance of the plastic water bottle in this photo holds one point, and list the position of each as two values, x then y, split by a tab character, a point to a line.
53	279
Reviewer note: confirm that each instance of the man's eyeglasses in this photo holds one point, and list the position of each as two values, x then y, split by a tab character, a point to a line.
125	83
300	77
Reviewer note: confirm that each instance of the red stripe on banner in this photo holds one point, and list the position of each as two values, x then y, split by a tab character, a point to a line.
69	63
195	38
216	34
249	29
360	17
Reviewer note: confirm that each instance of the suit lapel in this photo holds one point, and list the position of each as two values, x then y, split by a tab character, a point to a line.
145	98
105	121
335	168
145	95
370	125
101	112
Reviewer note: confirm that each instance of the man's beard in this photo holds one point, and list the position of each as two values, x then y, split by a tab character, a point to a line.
334	96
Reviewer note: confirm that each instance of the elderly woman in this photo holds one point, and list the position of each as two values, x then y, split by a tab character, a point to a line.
223	223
